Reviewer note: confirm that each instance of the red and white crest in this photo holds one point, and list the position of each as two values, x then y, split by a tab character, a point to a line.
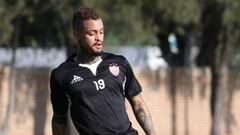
114	69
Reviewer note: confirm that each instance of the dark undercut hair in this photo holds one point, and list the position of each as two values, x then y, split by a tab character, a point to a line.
82	14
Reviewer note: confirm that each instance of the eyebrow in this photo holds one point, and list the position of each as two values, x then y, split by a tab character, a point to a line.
95	30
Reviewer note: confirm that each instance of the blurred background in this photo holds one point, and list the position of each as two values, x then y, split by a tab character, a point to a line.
185	54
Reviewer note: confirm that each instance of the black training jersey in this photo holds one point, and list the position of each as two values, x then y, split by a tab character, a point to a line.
97	101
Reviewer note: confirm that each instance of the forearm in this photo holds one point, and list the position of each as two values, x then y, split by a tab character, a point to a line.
59	124
142	115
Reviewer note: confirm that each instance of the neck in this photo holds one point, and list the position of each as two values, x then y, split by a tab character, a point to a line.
86	58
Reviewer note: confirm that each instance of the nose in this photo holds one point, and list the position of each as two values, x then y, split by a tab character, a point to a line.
98	37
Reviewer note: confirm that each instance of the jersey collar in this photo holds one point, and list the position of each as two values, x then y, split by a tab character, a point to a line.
73	58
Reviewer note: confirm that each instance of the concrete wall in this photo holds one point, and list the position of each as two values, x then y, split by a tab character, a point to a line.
32	112
141	57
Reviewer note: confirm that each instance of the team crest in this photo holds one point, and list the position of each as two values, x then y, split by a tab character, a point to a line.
114	69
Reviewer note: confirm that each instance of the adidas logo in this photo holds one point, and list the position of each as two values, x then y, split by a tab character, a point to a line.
76	79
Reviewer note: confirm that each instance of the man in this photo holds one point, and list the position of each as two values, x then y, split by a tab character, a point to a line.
96	83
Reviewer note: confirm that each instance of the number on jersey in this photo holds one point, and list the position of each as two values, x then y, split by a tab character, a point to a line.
100	84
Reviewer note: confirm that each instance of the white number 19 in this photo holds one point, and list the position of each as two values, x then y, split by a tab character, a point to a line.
99	84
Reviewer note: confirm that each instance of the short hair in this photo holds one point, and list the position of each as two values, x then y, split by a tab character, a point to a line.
82	14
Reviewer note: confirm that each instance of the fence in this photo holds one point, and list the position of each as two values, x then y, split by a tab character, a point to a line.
178	100
185	113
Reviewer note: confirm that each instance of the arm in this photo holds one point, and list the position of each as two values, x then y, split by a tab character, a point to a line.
59	124
142	115
60	104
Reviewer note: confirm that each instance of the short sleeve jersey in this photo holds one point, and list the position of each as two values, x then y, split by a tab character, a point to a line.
97	101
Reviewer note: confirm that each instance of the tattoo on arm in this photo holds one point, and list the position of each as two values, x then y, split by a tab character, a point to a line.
142	115
59	123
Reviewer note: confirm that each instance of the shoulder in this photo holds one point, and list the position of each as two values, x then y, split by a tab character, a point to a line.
63	67
56	73
119	59
111	56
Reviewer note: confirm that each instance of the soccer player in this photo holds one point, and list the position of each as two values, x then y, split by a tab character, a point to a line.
95	84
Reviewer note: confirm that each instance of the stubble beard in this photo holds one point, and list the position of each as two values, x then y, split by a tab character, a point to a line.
98	53
90	52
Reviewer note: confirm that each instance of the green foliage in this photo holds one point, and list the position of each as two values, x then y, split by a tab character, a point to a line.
127	22
124	23
7	13
5	26
170	15
232	13
48	23
232	22
42	22
180	11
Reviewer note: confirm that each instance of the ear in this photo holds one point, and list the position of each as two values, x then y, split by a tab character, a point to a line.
76	34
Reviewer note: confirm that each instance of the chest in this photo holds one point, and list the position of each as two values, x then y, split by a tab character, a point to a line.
109	80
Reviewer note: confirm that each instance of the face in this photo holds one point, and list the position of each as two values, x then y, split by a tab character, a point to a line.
91	36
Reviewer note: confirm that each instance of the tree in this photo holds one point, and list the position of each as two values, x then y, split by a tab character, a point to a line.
219	32
42	23
180	18
218	24
124	23
214	39
6	27
20	26
13	25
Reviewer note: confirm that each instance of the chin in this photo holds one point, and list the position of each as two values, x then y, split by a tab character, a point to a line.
98	53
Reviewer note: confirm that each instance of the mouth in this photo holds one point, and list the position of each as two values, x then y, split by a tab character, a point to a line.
98	45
